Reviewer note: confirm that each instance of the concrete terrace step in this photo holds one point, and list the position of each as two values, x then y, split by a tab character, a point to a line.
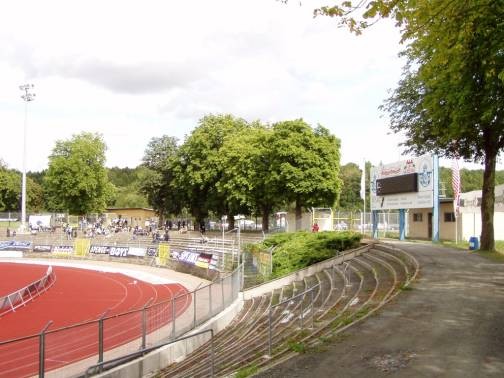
344	294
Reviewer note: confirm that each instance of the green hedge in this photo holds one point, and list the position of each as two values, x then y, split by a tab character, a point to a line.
294	251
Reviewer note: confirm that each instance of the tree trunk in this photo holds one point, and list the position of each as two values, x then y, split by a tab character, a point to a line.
265	217
487	202
299	216
231	221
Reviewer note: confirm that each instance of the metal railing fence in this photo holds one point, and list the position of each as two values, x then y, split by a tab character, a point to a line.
106	365
26	294
286	314
115	335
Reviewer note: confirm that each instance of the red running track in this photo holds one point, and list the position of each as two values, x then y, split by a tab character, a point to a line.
79	296
11	280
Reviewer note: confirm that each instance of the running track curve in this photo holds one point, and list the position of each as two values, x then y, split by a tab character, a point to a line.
79	296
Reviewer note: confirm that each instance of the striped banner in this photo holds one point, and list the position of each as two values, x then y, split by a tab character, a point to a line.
456	186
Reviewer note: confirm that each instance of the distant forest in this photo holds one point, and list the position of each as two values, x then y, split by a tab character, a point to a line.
128	182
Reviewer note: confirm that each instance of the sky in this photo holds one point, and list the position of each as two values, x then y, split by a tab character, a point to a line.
135	70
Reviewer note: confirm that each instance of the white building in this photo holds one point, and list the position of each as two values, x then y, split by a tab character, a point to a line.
470	214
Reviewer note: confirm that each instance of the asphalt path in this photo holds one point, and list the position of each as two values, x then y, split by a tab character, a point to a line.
450	324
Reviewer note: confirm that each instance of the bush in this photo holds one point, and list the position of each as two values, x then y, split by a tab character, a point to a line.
294	251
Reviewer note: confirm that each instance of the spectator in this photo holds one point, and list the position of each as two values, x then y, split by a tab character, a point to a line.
202	227
8	232
315	227
166	236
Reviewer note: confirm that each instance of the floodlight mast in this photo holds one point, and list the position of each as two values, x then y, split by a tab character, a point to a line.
27	97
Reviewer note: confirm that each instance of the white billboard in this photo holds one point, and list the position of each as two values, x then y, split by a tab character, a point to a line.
424	198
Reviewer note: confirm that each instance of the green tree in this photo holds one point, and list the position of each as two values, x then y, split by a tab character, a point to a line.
76	179
246	157
157	177
197	170
306	163
349	198
128	182
450	98
10	191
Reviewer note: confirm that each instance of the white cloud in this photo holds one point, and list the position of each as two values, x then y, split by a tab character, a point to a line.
135	70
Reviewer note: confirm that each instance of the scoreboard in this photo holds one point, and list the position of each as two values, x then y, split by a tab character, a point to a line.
398	184
404	184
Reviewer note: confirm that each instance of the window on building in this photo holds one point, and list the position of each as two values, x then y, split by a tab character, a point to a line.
417	217
449	217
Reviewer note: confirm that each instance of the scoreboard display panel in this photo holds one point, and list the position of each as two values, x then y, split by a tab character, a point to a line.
397	184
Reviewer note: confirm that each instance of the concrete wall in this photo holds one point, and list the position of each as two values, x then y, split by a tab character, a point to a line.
301	274
306	221
471	225
420	230
177	351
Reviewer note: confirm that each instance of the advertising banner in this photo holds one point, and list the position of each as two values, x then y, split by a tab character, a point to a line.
152	251
82	246
423	198
185	256
204	260
63	249
14	245
119	251
164	254
99	249
136	251
42	248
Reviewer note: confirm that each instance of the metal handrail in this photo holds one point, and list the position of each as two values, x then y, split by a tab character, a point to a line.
12	307
270	320
100	367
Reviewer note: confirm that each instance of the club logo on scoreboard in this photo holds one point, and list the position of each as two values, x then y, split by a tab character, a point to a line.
425	174
409	166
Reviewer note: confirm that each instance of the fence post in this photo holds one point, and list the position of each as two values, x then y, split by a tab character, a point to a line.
222	290
194	304
173	317
211	353
269	334
302	314
232	286
42	349
100	338
312	311
210	298
144	322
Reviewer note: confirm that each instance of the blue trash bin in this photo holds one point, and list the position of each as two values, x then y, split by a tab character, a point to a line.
473	243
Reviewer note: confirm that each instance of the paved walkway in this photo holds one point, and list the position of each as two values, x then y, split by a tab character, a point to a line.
451	324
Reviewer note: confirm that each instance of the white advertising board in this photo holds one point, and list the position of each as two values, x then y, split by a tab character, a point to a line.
424	198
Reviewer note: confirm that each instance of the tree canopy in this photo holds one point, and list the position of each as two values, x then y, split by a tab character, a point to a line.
10	191
307	165
76	180
158	175
450	99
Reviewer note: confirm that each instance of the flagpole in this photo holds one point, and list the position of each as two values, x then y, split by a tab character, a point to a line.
456	193
363	195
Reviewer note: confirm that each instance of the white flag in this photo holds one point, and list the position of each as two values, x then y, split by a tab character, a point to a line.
363	182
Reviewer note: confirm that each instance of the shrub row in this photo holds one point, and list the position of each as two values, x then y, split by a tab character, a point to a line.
294	251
